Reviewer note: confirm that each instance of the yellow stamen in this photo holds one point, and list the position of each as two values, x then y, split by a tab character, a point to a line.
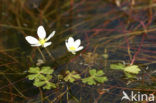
72	48
42	41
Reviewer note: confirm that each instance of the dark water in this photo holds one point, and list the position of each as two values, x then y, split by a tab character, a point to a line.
101	25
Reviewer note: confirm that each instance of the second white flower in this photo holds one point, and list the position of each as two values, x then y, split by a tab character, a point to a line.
73	46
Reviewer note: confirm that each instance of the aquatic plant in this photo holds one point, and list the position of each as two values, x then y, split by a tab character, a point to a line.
41	77
112	31
71	76
131	70
95	76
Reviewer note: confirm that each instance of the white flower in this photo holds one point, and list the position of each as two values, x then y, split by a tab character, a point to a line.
42	38
73	46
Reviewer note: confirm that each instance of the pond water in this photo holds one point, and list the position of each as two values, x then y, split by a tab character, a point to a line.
111	31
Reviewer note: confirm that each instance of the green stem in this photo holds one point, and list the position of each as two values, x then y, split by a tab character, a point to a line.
67	94
52	57
41	93
41	54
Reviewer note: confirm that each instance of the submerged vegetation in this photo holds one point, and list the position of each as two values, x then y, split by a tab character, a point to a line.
113	51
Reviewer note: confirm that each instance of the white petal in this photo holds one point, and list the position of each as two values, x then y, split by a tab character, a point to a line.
71	40
31	40
77	43
50	36
67	45
47	44
79	48
41	32
36	44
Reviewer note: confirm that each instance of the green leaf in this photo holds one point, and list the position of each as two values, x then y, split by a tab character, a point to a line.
89	81
46	70
34	70
118	66
35	76
38	83
31	76
99	73
134	69
71	80
71	76
76	76
92	82
41	77
128	75
49	86
92	71
101	79
95	76
48	77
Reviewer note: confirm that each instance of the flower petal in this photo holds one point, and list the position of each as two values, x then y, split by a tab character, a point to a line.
47	44
67	45
77	43
41	32
50	36
79	48
36	44
71	40
31	40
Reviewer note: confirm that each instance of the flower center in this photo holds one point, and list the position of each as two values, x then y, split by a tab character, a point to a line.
42	41
72	48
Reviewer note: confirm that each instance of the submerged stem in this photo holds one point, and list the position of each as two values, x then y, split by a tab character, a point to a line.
10	83
52	57
41	94
41	54
67	95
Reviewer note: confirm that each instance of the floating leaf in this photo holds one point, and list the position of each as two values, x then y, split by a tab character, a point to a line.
100	73
92	72
39	83
49	85
46	70
89	81
35	76
95	76
134	69
34	70
101	79
130	71
118	66
128	75
71	76
41	77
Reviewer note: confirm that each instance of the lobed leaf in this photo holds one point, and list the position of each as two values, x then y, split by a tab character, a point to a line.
46	70
38	83
49	85
134	69
92	72
71	76
34	70
95	76
118	66
41	77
